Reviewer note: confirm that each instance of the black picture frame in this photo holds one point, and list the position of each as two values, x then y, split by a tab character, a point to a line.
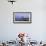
18	17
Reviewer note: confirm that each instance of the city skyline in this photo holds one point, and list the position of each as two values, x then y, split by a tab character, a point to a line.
24	14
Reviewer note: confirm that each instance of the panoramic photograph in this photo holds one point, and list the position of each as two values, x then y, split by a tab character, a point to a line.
22	16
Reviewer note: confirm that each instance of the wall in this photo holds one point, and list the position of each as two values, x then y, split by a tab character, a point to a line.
9	31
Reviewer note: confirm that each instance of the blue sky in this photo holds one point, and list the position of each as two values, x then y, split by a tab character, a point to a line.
22	14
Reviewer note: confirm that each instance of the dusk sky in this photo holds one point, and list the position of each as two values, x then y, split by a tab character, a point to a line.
22	14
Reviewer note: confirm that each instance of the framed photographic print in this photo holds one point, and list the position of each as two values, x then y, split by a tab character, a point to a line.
22	17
